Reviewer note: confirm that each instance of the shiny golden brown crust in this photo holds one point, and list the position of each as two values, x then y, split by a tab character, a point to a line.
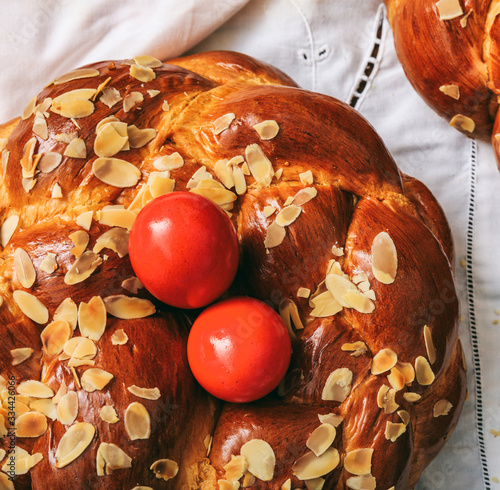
348	195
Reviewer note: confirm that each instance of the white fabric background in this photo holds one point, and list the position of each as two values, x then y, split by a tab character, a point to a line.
324	45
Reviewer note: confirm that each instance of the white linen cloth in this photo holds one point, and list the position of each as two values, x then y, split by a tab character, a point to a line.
325	45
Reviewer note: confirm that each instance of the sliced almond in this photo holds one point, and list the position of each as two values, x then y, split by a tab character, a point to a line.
132	284
362	482
463	122
287	485
223	122
306	177
311	466
115	239
67	408
92	318
80	240
83	268
35	389
110	457
260	458
95	379
386	399
304	196
224	173
31	424
236	468
267	130
449	9
148	61
49	162
76	75
25	271
5	160
215	192
315	484
109	141
122	218
394	430
116	172
126	307
23	462
160	183
20	355
442	408
355	348
259	165
321	439
269	211
339	286
40	126
110	96
137	421
45	406
67	311
338	385
54	336
358	301
228	485
451	90
396	379
140	137
66	137
31	306
275	235
29	110
359	461
324	305
131	100
56	191
303	292
423	371
404	416
27	158
73	108
119	337
412	397
108	414
429	345
331	418
165	469
288	215
384	258
142	73
407	370
9	226
240	184
49	263
169	162
146	393
383	361
85	219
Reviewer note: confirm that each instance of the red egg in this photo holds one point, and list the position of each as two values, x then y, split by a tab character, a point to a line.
184	249
239	349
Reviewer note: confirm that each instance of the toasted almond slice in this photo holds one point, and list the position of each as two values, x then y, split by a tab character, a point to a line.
25	271
269	211
306	177
362	482
131	100
429	345
140	137
339	286
35	389
40	126
132	284
76	75
5	481
67	408
72	444
219	195
240	184
384	258
122	218
73	108
8	228
396	379
287	485
260	458
404	416
23	462
423	371
442	408
49	161
56	192
383	361
28	151
54	336
115	239
159	184
169	162
315	484
80	239
200	175
165	106
303	292
66	137
74	362
356	348
223	122
119	337
137	421
324	305
359	461
288	215
259	165
45	406
394	430
275	235
110	457
304	196
321	439
92	318
386	399
267	130
31	306
95	379
146	393
31	424
224	173
108	414
142	73
80	348
109	141
20	355
165	469
338	385
463	122
331	418
407	370
228	485
110	96
358	301
85	219
126	307
311	466
449	9
5	160
116	172
84	267
29	110
236	468
451	90
68	311
148	61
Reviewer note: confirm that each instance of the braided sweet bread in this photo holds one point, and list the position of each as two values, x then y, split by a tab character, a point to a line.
449	50
356	256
